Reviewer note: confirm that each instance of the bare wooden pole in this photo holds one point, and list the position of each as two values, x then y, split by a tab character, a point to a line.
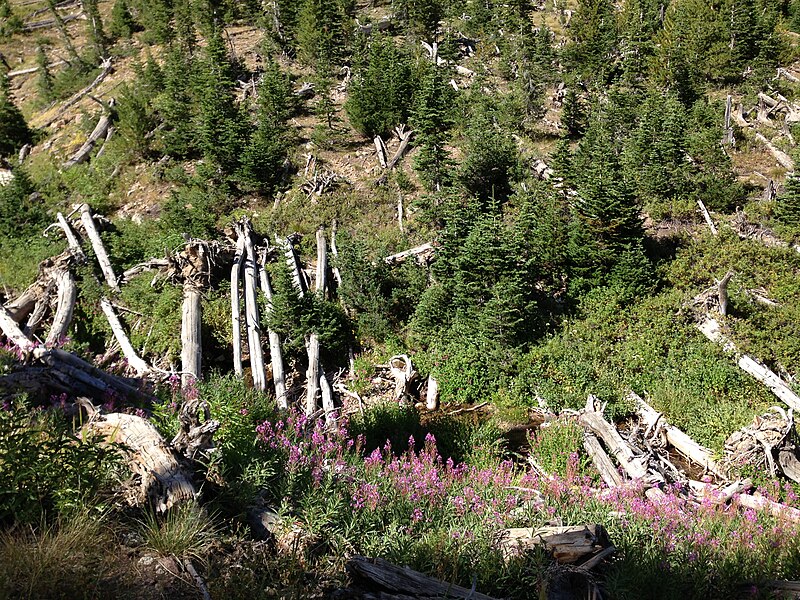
67	295
98	247
276	356
134	360
312	374
251	308
236	313
191	342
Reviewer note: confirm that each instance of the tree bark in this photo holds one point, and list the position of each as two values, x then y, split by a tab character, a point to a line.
312	374
134	360
432	394
98	247
380	148
707	217
67	295
236	312
722	293
677	438
191	341
251	308
276	356
404	374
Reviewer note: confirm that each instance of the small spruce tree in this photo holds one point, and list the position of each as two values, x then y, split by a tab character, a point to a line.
14	131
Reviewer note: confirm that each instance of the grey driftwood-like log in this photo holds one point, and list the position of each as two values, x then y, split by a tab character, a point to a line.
154	264
656	422
758	502
405	139
194	437
404	375
780	156
722	293
321	287
191	342
100	131
634	466
134	360
380	149
402	583
432	394
423	251
337	275
710	328
251	306
707	217
570	545
312	373
106	69
98	246
604	465
47	23
236	312
67	295
275	354
727	136
162	481
293	262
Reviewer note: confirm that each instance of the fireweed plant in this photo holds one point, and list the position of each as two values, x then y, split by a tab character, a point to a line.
415	507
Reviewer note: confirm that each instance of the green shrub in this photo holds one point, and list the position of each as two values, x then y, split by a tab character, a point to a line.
45	470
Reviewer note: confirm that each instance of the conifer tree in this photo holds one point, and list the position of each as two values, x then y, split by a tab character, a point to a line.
220	127
431	120
594	39
94	26
320	33
491	161
10	23
606	214
787	205
420	16
44	80
176	105
573	113
381	91
263	158
14	132
122	23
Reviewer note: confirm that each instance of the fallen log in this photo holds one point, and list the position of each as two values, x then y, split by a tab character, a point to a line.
162	481
635	467
380	149
656	423
236	312
425	250
710	328
251	307
570	545
405	139
134	360
67	295
758	502
707	217
404	583
47	23
98	246
783	159
602	462
101	130
105	71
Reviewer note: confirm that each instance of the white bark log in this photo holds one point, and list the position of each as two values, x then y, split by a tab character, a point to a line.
677	438
236	312
404	374
312	374
98	247
72	239
707	217
100	130
276	356
400	257
67	294
337	275
380	148
783	159
432	394
604	465
634	466
322	263
712	330
134	360
251	309
106	70
405	139
191	341
163	481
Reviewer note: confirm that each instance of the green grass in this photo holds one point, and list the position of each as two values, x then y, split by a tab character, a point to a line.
183	532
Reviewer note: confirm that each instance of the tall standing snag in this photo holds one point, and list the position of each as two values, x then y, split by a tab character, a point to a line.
276	356
251	306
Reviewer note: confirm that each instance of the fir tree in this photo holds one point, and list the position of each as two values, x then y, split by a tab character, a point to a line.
573	113
220	127
594	39
421	17
490	163
431	120
787	206
44	80
122	23
320	34
176	105
10	23
606	214
381	90
14	132
94	25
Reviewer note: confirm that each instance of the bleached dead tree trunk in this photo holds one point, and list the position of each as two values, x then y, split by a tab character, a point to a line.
98	247
134	360
707	217
432	394
191	343
236	312
67	295
251	307
783	159
106	70
101	129
604	465
276	356
722	293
